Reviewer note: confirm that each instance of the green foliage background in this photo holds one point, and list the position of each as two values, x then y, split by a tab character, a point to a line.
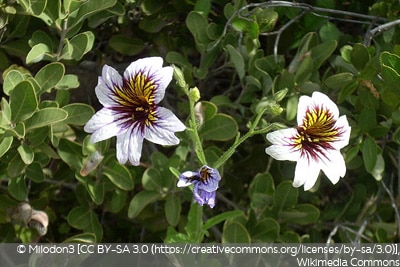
243	57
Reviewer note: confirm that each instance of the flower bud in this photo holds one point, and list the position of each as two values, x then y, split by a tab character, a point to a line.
194	94
179	77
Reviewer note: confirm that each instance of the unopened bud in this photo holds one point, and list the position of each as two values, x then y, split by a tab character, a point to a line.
194	94
179	77
278	96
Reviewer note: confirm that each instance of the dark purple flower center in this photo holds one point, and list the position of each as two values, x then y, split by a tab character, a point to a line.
317	132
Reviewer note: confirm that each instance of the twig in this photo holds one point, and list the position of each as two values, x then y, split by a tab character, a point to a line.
381	28
281	30
313	10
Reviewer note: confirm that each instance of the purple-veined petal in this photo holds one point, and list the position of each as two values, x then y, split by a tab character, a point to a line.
106	83
129	147
104	124
162	130
185	178
343	125
282	145
204	197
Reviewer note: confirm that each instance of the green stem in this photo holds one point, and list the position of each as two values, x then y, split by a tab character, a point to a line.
240	140
195	134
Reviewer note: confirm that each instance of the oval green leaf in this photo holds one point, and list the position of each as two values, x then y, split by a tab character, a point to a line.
221	127
140	201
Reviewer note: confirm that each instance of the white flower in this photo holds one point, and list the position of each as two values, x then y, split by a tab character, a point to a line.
130	108
315	144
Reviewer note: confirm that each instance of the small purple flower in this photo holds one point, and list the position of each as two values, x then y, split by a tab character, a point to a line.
205	182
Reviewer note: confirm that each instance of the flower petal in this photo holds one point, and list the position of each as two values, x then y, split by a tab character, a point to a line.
104	124
306	173
343	125
162	131
283	147
204	197
319	100
152	67
129	147
106	83
184	178
335	168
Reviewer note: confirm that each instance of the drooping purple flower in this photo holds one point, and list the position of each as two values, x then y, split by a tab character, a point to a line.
316	142
131	111
205	182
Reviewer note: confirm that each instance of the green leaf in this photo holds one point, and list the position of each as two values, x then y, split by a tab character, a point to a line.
369	153
17	188
5	144
322	52
172	210
245	25
194	224
302	214
79	217
263	183
12	79
96	191
119	175
78	114
304	71
367	119
45	117
390	60
26	153
35	172
68	81
285	196
339	81
220	128
235	233
197	24
152	180
379	168
126	45
329	32
5	112
140	201
266	230
221	217
35	7
71	153
117	201
85	238
83	218
48	76
89	8
359	56
237	60
78	46
38	53
23	102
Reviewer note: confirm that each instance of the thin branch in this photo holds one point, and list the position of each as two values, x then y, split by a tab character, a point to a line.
365	19
381	28
63	34
281	30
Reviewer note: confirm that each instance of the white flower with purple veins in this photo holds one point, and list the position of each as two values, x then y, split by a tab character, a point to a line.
205	183
316	142
130	108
